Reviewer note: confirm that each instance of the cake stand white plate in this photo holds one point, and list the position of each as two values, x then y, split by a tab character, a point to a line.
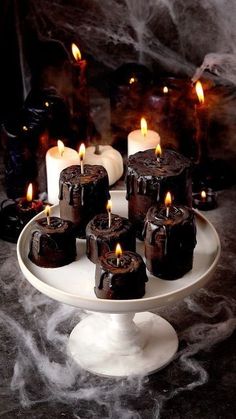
120	342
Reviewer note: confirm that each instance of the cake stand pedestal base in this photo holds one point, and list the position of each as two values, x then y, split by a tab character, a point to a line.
121	345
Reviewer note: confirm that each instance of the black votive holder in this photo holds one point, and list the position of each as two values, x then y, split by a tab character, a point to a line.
13	219
205	204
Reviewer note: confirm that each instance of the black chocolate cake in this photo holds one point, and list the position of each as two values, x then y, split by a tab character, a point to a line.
83	196
148	181
169	241
123	282
102	239
53	245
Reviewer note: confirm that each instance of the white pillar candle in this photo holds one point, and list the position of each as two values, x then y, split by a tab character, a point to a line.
56	161
142	139
109	158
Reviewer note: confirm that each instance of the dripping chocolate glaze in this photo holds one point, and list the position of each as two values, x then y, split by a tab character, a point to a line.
146	173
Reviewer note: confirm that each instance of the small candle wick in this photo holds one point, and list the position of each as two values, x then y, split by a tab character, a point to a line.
167	211
48	220
158	159
82	166
109	218
118	261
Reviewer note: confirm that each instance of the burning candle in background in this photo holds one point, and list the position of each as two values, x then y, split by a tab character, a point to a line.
109	208
80	80
27	206
205	200
201	128
81	157
142	139
57	159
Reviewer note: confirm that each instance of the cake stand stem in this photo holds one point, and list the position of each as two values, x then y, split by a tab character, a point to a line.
123	344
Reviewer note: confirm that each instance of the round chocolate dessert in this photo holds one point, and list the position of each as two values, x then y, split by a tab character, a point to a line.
169	241
101	238
53	245
123	282
82	196
148	180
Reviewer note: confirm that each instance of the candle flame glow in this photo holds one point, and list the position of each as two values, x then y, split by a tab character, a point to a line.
118	250
168	199
82	151
158	150
143	124
25	128
203	194
200	92
47	210
109	205
29	194
165	89
132	80
76	52
61	147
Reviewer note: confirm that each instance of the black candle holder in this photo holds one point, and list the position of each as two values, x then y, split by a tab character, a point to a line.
14	216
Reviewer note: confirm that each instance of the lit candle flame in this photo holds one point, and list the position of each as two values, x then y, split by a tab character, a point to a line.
76	52
46	104
143	124
61	147
165	89
168	202
132	80
203	195
47	213
158	151
29	194
81	156
109	208
109	205
118	253
200	92
25	128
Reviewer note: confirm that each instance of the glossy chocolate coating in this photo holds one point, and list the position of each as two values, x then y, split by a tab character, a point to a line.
148	182
169	242
83	196
53	245
120	283
101	239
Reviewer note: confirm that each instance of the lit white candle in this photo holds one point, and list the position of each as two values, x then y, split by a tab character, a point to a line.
81	157
57	159
142	139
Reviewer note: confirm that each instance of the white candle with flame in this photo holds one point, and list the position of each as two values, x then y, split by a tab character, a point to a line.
47	213
118	254
109	208
57	159
81	157
168	202
142	139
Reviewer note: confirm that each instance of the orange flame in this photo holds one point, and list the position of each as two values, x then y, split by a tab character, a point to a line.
200	92
109	205
158	150
61	147
47	210
82	151
29	194
143	124
132	80
168	199
118	250
203	195
76	52
165	89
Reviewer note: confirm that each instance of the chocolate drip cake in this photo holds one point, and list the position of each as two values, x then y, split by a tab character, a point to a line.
53	245
169	241
82	196
101	238
148	179
123	282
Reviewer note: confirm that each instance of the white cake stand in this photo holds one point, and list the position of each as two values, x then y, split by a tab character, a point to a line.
115	341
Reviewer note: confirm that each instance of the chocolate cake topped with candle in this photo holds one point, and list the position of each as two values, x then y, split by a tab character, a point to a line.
104	231
53	242
150	175
170	239
83	193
